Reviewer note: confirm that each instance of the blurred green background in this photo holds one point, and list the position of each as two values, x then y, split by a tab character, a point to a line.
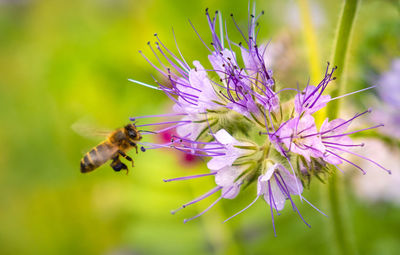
64	61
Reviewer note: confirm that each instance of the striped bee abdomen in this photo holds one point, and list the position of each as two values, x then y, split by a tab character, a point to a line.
86	164
97	156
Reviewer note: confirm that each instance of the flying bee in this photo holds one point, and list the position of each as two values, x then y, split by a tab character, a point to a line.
117	144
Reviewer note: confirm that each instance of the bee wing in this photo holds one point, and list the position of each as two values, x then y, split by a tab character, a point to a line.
89	131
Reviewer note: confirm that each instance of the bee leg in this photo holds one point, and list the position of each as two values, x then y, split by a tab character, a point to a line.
134	145
126	156
117	165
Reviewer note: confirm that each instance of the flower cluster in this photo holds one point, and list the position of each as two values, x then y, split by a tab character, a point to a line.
388	110
233	113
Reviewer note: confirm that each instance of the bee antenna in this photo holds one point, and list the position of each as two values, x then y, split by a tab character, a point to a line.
148	131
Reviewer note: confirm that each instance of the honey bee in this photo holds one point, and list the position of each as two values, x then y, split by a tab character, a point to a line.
117	144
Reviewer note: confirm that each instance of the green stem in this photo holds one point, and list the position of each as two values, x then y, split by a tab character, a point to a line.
340	226
338	215
342	41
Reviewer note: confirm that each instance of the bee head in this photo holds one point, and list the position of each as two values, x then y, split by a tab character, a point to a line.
131	132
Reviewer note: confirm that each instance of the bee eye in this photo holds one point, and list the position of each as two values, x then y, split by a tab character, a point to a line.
132	133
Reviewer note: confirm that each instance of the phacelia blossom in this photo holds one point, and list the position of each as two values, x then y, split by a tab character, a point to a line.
388	111
386	188
229	149
234	116
297	135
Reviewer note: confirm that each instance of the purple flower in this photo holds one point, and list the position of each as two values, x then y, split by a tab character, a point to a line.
233	116
331	137
337	141
389	83
252	60
388	111
223	61
311	99
245	106
192	128
227	178
229	150
277	185
196	94
296	135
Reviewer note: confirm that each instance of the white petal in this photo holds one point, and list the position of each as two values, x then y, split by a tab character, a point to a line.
267	176
190	130
231	193
292	183
279	198
277	201
227	176
261	186
216	163
198	77
224	137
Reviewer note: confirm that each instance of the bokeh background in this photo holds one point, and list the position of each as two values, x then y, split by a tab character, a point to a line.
66	62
